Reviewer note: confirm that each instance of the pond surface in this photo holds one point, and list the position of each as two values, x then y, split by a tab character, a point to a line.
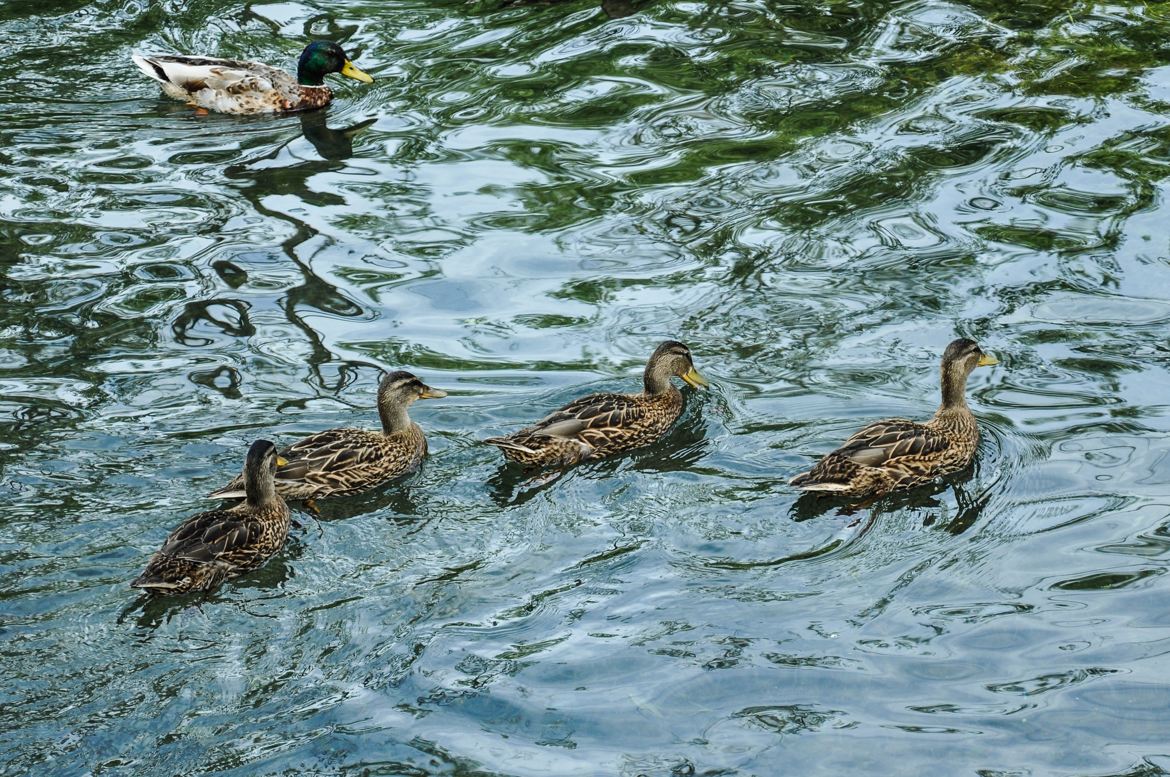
815	196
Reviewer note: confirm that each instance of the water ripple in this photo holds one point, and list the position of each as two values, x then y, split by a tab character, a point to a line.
531	195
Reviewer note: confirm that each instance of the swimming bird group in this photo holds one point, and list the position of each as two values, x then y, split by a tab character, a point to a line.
886	456
889	455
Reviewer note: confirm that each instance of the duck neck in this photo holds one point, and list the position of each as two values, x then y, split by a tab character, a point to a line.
394	418
655	381
954	390
260	488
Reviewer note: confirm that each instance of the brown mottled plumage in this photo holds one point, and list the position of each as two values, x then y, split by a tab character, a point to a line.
210	547
241	87
601	425
896	453
340	462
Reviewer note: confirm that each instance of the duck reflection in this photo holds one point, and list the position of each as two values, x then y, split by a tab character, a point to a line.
395	498
259	182
331	144
150	612
229	316
967	509
513	484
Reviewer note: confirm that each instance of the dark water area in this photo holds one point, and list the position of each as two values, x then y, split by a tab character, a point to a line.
815	197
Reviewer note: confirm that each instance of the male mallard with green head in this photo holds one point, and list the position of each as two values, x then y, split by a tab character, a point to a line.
235	86
600	425
211	547
895	453
341	462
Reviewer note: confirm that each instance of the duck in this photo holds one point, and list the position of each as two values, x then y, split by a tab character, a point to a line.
600	425
343	462
208	548
241	87
896	454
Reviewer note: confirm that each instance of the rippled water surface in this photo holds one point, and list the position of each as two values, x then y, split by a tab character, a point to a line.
815	196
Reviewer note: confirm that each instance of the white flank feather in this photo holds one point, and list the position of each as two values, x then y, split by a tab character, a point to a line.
824	487
207	72
211	83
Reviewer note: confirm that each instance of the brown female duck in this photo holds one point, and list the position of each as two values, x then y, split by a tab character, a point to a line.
340	462
894	453
211	547
601	425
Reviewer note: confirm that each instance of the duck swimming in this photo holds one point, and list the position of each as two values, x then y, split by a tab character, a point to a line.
241	87
211	547
895	453
341	462
600	425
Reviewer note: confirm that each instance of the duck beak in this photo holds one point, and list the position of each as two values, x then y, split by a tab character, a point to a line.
281	461
694	379
432	393
987	360
349	70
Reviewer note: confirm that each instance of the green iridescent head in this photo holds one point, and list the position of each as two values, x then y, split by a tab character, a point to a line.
322	57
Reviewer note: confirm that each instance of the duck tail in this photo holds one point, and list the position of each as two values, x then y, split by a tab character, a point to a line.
805	482
801	480
233	490
508	445
151	68
152	582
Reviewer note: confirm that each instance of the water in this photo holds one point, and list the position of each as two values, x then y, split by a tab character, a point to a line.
816	197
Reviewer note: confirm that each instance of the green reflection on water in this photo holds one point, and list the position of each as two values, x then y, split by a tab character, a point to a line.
815	197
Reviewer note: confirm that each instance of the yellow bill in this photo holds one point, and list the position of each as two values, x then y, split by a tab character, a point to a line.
432	393
987	360
694	379
349	70
281	461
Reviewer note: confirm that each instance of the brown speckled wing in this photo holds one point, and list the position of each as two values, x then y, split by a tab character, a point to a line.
599	412
890	439
343	461
210	536
606	423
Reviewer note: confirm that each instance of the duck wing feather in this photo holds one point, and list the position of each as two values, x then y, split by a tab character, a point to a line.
593	412
213	536
337	456
884	441
193	74
338	461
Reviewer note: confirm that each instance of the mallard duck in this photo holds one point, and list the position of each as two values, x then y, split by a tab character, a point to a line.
601	425
234	86
340	462
210	547
895	453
